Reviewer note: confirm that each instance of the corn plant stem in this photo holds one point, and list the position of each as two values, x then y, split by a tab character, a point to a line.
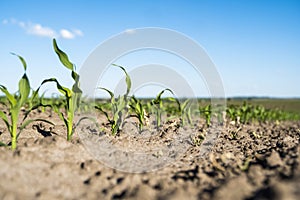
70	128
141	125
14	127
70	117
158	118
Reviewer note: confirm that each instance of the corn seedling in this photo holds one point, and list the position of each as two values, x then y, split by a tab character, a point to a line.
158	106
244	113
185	112
139	111
206	111
119	106
71	95
16	103
231	112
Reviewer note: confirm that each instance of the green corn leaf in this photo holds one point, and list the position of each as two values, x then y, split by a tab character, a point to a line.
36	107
134	99
22	60
121	103
24	89
115	128
75	87
132	107
2	144
75	76
139	107
104	112
158	97
4	118
65	91
10	97
35	94
77	99
185	104
89	118
63	57
110	93
128	80
180	107
62	117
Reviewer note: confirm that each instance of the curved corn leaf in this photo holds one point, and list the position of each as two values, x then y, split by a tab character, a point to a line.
63	57
62	117
134	99
127	79
104	112
9	96
85	118
110	93
21	59
36	107
65	91
173	99
157	100
4	118
159	94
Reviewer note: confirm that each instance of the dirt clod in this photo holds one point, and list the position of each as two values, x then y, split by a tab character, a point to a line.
274	159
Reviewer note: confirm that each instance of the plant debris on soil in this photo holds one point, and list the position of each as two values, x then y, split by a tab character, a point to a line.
247	161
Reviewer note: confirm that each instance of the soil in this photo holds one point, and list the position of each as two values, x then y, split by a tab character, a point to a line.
253	161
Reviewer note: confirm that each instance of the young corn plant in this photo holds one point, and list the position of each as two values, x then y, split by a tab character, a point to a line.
231	112
119	106
182	109
139	111
185	112
207	114
157	104
16	103
71	95
245	113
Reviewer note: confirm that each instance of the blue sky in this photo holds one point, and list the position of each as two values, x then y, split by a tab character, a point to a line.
255	44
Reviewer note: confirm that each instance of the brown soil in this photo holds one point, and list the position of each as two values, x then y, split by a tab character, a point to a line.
256	161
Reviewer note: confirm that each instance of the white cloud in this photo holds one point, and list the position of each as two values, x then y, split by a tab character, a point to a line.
66	34
43	31
39	30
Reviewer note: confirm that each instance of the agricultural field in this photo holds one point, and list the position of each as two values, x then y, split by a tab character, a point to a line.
255	153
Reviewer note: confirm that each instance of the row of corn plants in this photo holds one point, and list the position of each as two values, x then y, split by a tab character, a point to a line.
16	107
124	106
249	113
